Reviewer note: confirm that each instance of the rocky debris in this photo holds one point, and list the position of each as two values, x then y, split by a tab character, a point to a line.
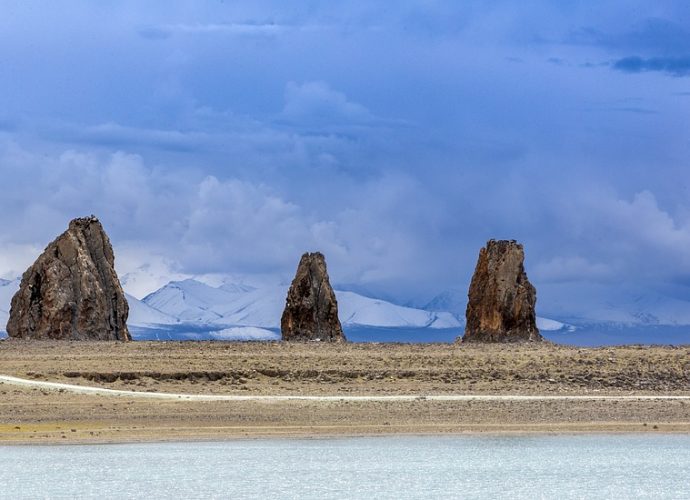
502	301
72	291
311	310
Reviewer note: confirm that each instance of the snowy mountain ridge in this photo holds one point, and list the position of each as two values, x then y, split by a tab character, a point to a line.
595	315
588	305
192	301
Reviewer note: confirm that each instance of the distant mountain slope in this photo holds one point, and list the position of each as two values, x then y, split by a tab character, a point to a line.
454	300
196	302
587	306
620	305
355	309
260	307
601	315
141	314
189	301
236	287
7	291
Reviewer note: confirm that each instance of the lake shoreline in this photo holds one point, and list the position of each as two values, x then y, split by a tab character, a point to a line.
125	438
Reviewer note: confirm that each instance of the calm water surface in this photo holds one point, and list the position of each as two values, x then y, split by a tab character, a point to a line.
592	466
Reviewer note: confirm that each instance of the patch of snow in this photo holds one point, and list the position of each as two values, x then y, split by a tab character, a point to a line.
244	333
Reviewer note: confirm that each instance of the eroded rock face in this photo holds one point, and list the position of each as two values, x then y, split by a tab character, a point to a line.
502	301
311	310
72	291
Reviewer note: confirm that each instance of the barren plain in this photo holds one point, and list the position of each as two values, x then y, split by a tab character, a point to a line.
33	414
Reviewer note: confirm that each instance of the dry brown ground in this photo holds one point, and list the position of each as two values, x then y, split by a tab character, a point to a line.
29	414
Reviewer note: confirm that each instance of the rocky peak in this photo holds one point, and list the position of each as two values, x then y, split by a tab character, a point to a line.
502	301
311	309
72	291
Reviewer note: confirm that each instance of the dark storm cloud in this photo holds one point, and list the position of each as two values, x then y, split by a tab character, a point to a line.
675	66
397	138
648	35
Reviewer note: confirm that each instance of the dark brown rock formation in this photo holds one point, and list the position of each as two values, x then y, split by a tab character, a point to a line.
311	310
502	301
72	291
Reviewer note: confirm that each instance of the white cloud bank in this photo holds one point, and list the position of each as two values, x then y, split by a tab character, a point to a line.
167	224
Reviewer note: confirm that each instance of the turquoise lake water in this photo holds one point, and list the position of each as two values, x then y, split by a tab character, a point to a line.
589	466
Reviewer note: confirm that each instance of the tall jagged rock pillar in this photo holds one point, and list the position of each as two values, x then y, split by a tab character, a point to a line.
311	309
501	306
72	291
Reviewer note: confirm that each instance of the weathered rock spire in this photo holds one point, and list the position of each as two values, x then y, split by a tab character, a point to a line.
72	291
501	306
311	310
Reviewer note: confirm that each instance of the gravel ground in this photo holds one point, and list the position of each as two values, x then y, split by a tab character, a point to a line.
32	414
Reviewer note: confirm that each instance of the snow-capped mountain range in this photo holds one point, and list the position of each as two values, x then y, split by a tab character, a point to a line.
192	301
241	311
192	309
596	314
590	304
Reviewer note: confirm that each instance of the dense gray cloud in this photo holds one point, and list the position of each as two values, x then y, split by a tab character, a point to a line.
676	66
215	138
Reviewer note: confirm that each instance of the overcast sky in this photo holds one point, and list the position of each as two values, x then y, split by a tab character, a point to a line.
396	137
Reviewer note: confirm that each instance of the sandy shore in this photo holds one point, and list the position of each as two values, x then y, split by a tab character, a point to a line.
325	390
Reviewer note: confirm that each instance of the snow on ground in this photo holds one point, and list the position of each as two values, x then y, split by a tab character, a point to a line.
245	333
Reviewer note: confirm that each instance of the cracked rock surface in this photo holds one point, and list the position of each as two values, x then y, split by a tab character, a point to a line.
72	291
311	309
501	306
